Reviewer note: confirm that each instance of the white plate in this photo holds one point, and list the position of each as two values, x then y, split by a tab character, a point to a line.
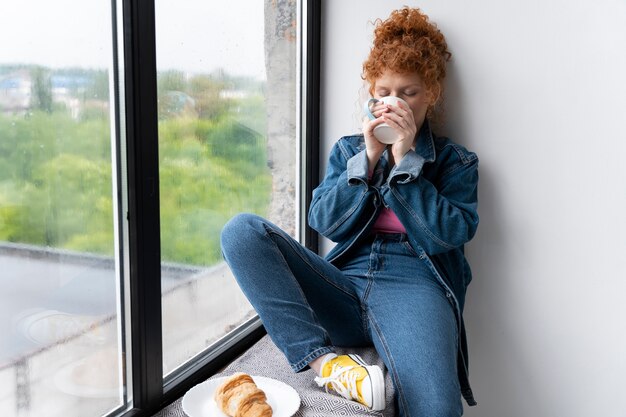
199	402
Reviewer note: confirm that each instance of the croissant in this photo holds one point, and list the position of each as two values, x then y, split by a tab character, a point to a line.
239	396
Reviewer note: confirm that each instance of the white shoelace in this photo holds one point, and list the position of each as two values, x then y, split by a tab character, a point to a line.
342	380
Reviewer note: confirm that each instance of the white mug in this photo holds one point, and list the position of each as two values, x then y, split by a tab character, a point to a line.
383	132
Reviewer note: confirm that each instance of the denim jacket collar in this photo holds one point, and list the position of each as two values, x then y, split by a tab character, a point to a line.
425	146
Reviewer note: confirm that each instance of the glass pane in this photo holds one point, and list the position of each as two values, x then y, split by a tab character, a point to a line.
227	144
59	343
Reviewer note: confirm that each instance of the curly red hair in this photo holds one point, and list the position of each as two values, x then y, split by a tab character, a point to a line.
407	42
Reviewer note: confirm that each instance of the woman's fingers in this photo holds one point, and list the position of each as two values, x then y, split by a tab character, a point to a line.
402	121
368	132
378	109
400	111
399	118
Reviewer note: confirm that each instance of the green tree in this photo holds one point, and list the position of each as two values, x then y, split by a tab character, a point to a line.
55	171
209	171
171	80
41	89
55	181
206	90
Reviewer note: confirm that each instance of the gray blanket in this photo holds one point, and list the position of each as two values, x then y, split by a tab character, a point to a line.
265	359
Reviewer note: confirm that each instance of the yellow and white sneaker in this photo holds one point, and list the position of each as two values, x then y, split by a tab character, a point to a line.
350	377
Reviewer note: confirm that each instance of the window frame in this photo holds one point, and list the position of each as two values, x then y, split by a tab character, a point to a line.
138	162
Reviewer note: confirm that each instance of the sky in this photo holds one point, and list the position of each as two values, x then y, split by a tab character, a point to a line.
192	35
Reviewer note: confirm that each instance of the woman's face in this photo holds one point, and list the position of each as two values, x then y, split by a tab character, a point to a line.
409	87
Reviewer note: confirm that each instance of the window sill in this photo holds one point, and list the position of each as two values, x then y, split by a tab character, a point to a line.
264	359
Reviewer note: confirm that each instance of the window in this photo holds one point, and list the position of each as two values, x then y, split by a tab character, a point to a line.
227	144
60	349
130	132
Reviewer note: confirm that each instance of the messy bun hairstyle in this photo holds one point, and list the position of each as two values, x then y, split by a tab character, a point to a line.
407	42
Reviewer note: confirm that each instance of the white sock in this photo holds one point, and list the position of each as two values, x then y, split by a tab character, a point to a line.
328	357
325	359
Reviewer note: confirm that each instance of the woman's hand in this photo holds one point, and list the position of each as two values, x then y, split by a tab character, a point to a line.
400	119
374	148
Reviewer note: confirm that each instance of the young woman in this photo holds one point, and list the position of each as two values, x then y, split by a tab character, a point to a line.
400	215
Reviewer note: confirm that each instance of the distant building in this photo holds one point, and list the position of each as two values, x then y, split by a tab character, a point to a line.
15	92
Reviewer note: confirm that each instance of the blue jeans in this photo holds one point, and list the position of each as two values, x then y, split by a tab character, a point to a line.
383	296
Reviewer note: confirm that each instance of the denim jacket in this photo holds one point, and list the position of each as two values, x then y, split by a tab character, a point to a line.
433	191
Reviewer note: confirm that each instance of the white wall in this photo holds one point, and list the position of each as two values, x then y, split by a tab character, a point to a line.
538	90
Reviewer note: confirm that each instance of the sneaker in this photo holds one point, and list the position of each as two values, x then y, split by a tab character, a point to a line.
350	377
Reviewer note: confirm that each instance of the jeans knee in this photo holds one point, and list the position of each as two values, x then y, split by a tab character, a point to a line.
238	231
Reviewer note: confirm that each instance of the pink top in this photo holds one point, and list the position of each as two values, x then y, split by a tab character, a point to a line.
387	221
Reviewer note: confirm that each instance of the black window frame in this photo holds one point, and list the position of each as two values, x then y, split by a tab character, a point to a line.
150	392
